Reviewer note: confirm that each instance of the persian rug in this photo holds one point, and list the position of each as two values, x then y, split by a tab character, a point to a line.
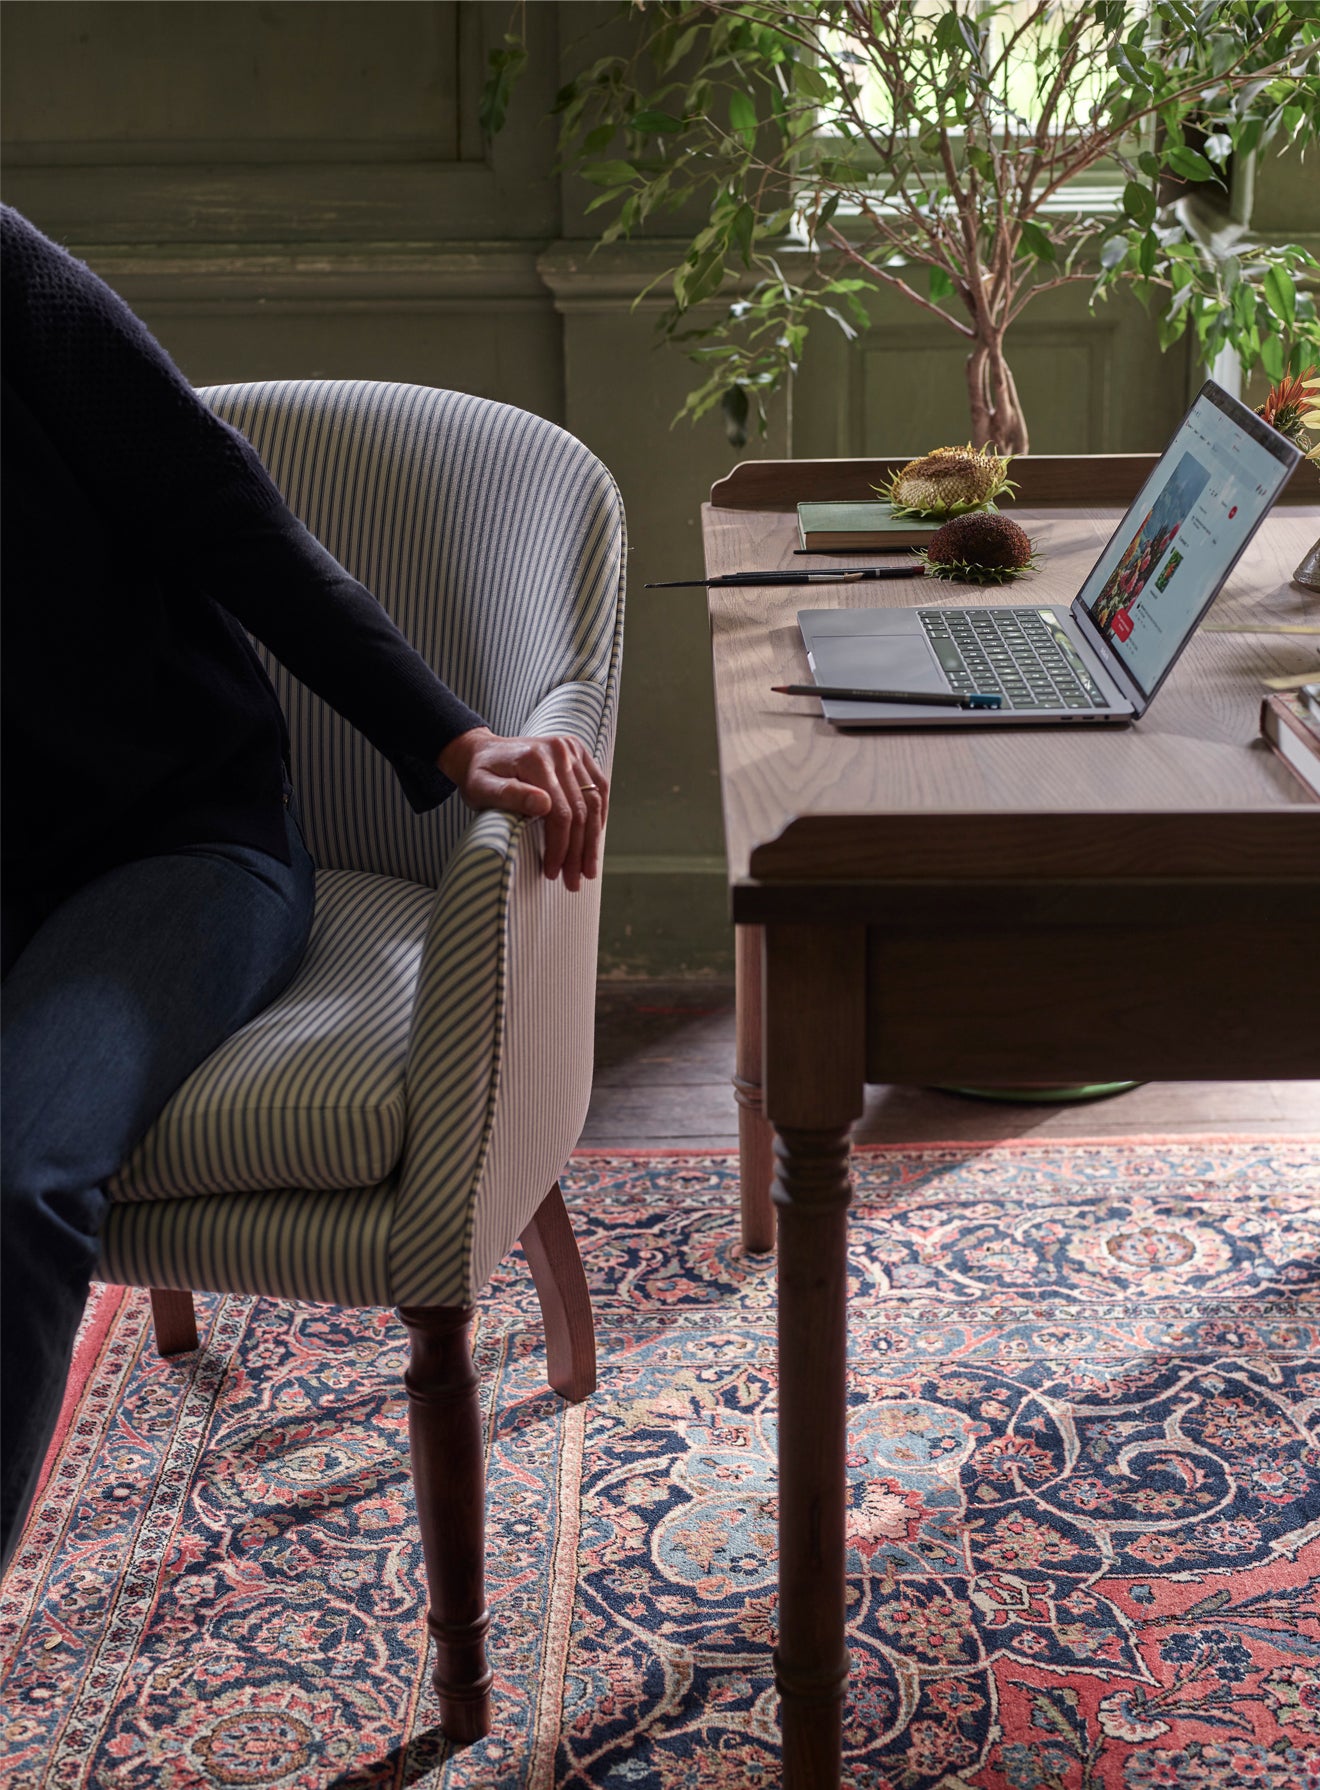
1084	1525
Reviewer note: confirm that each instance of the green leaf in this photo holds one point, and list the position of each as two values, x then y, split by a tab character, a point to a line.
811	83
982	161
1248	138
734	405
1113	251
1189	163
678	49
1037	242
742	230
742	116
941	284
1139	203
949	33
506	64
703	279
828	210
649	120
1272	357
1280	295
1218	147
609	173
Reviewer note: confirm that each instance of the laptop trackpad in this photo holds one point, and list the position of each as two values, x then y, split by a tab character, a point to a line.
877	662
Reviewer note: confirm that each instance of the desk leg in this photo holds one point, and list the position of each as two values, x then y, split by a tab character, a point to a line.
814	1084
811	1661
755	1135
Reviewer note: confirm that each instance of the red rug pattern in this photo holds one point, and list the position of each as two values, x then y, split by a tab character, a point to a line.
1084	1525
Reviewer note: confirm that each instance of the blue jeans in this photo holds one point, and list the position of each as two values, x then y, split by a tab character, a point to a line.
112	1001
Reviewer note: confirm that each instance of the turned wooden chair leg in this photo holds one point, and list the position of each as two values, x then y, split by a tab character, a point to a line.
561	1286
174	1321
445	1440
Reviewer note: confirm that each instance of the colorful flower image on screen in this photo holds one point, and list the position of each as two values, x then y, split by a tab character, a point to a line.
1171	565
1151	541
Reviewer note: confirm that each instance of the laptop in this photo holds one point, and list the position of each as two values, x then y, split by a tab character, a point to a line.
1103	659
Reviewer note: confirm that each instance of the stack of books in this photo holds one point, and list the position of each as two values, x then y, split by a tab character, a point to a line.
1291	724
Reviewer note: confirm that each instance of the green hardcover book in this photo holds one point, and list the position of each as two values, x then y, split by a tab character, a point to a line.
834	527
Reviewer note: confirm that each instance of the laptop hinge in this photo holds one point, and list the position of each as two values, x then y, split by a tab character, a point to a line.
1094	640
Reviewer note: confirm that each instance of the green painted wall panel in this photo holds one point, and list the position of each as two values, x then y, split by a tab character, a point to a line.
300	189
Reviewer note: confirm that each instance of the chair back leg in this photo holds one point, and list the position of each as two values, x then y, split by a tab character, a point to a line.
174	1321
561	1287
449	1478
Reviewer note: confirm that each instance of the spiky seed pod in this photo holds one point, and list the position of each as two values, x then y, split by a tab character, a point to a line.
949	481
985	548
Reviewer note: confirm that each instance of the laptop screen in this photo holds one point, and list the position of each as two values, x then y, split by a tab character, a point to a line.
1209	492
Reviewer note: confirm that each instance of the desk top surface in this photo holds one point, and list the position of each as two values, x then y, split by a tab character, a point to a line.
1190	788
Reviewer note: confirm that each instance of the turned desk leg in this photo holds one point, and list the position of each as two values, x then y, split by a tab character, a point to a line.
755	1133
814	1083
811	1662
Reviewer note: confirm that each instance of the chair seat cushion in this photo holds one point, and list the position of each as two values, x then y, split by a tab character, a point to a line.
310	1093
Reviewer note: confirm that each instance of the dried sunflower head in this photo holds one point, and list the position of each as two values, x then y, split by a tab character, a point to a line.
1290	406
984	548
948	481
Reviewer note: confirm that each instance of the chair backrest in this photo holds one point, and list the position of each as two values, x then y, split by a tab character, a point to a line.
495	541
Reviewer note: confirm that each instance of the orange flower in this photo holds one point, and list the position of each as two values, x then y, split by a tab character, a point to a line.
1285	403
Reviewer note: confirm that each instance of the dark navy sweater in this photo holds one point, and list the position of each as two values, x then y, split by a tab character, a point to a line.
141	536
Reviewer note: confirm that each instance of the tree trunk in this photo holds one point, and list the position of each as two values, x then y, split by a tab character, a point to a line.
997	419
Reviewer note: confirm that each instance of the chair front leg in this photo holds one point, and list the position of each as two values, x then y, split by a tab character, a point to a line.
561	1286
449	1477
174	1321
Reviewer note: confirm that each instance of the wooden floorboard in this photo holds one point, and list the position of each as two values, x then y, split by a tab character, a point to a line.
664	1055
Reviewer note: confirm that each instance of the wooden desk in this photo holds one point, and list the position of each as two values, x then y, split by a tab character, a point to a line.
980	907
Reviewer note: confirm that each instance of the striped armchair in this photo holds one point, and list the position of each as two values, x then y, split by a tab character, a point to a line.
398	1118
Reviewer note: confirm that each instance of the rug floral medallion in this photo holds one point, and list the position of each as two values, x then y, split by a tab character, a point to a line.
1084	1525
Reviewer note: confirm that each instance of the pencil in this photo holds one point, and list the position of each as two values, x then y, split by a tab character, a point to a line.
989	699
840	575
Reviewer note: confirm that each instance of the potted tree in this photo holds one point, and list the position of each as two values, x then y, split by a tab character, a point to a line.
966	154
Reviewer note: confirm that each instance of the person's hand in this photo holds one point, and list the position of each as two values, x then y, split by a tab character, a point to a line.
555	779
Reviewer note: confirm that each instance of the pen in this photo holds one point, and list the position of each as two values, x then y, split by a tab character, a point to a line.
842	575
989	699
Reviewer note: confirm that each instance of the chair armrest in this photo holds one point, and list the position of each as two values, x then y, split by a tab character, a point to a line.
503	944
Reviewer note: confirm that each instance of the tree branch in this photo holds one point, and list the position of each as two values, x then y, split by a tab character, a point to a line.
900	285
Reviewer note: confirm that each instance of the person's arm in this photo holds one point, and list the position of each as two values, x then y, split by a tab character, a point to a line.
189	495
190	491
554	779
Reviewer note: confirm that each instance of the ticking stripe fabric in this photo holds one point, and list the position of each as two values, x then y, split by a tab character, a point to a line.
490	536
330	1247
309	1093
387	1128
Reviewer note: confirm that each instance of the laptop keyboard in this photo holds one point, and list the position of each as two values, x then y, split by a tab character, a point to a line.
1021	653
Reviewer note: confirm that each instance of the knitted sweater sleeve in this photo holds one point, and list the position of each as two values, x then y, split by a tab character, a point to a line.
192	495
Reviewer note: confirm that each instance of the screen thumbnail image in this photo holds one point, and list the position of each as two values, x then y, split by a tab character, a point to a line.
1152	539
1171	565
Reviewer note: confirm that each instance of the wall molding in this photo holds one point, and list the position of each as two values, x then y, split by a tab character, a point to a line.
333	276
352	201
